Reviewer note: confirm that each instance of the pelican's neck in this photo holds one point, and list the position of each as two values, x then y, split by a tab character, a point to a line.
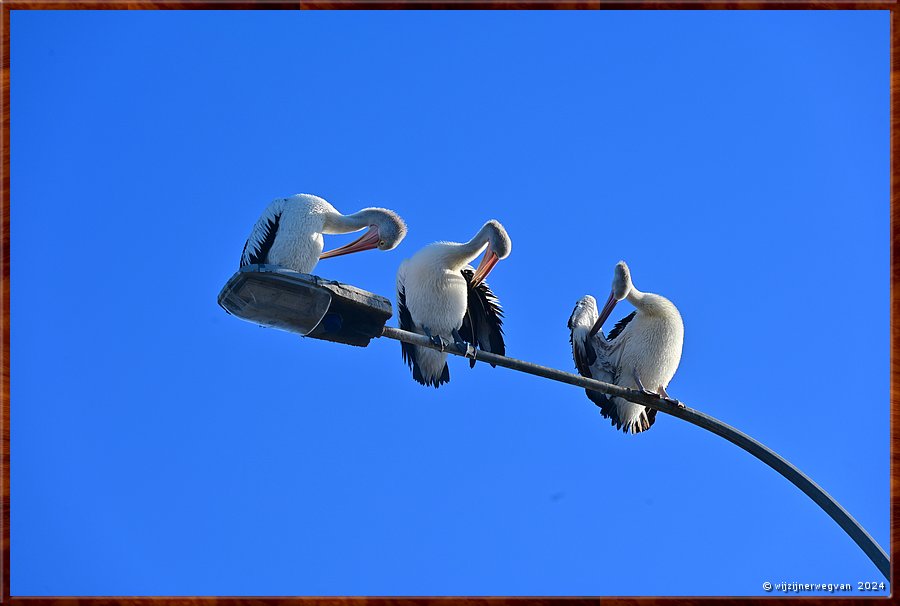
459	255
647	302
636	297
336	223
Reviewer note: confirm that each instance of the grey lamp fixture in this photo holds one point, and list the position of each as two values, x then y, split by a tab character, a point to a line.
270	295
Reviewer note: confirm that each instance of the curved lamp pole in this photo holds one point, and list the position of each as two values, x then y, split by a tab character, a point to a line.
739	438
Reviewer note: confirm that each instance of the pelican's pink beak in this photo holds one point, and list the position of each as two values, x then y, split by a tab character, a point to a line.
604	313
367	241
488	261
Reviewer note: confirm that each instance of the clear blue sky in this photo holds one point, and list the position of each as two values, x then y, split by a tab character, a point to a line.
738	161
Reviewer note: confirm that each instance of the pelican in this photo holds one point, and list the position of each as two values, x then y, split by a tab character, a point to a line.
642	351
289	232
439	293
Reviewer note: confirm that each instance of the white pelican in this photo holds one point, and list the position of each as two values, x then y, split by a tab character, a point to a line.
289	232
438	293
642	351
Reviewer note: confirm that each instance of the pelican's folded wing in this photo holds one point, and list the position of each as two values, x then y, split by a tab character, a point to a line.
583	352
590	352
483	323
406	322
256	249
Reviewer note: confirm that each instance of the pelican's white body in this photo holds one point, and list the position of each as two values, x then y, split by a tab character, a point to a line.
298	241
648	348
436	296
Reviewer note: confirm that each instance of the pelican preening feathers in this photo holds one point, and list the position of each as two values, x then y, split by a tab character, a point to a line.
642	351
289	232
440	295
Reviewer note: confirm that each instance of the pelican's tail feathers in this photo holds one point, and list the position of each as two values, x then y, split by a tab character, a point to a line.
430	367
624	415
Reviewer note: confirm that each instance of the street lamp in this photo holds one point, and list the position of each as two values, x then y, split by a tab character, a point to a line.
274	296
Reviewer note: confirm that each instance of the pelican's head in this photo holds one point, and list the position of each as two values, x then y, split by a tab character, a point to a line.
499	245
621	286
386	231
621	283
389	226
498	240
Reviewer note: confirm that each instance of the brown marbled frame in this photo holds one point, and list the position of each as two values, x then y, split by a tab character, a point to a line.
7	5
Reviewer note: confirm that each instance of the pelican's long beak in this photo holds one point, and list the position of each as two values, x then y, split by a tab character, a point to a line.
367	241
488	261
604	313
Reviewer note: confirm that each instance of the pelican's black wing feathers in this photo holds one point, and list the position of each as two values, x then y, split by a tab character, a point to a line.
483	323
257	246
620	326
583	364
406	323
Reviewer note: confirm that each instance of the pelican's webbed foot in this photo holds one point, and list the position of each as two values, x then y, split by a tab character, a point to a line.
640	385
670	399
462	346
436	339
